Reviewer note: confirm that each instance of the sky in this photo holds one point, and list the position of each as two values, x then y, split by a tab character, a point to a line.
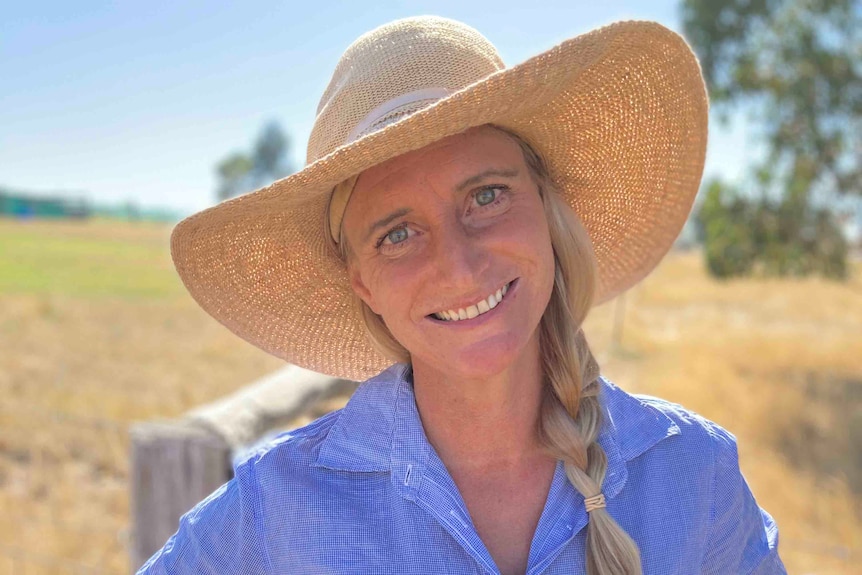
138	100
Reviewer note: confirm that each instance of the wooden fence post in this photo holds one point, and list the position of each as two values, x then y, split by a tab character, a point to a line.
175	464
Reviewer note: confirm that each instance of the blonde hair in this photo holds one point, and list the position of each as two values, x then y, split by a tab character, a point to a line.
570	413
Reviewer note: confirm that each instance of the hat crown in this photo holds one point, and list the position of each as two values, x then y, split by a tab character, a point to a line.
394	71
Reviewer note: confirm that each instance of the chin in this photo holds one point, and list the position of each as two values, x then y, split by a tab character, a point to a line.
477	361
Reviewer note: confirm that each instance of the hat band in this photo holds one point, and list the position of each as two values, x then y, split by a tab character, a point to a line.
377	118
386	113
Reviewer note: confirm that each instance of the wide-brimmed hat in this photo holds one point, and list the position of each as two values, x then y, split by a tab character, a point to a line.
619	114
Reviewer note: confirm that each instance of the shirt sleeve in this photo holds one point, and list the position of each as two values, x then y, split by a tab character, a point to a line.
743	537
221	534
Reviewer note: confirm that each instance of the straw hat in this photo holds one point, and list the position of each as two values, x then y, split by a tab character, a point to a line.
619	113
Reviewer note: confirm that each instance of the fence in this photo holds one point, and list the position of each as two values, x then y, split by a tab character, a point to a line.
175	464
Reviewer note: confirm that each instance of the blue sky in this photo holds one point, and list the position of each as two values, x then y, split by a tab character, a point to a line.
135	100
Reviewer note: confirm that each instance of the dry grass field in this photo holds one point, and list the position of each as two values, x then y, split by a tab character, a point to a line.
96	332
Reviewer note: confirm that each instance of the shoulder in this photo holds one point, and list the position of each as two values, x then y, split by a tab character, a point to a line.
690	422
653	426
706	442
701	447
286	452
709	448
281	477
696	465
225	532
354	438
322	462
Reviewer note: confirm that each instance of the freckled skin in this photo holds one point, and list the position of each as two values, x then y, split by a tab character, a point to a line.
455	250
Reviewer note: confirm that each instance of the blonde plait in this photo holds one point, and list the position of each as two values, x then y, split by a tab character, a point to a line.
571	415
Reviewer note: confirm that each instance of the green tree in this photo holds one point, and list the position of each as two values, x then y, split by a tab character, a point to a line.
796	66
742	235
233	173
239	172
270	154
724	221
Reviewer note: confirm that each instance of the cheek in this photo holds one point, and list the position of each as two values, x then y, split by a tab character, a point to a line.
545	268
532	242
527	235
389	286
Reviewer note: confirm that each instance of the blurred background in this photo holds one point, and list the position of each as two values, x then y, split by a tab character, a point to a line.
117	119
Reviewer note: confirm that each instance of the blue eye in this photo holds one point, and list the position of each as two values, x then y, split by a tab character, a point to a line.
486	196
397	235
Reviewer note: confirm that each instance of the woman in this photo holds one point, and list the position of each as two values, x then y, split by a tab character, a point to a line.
460	219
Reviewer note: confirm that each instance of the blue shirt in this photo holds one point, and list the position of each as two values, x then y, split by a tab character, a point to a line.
361	490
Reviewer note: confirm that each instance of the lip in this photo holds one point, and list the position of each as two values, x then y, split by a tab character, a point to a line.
511	293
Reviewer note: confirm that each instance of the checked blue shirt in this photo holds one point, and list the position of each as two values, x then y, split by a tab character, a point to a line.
361	490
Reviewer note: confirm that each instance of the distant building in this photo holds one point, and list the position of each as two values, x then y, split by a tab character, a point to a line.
22	206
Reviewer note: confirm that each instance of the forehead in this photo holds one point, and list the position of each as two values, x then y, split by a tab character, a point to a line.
437	168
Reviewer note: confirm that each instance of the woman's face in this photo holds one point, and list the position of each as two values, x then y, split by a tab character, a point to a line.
435	233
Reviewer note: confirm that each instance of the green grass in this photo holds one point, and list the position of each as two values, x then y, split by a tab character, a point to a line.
87	259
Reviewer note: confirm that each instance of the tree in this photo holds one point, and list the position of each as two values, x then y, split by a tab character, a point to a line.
270	154
724	220
741	235
796	65
240	173
233	172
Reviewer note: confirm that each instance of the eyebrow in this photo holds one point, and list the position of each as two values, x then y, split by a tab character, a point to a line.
510	173
384	221
472	180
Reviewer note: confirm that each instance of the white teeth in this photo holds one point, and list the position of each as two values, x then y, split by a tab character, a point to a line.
472	311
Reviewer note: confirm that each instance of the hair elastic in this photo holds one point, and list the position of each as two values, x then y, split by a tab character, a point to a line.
595	502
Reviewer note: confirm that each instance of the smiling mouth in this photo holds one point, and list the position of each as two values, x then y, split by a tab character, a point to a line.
475	310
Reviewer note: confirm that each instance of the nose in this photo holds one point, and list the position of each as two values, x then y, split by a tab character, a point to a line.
460	259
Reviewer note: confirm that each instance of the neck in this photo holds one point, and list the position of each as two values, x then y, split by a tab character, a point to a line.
499	413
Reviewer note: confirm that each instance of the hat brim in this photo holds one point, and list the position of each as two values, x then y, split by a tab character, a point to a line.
619	113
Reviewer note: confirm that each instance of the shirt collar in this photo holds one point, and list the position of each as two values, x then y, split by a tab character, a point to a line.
379	429
361	439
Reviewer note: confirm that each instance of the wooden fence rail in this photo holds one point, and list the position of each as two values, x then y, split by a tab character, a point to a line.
175	464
